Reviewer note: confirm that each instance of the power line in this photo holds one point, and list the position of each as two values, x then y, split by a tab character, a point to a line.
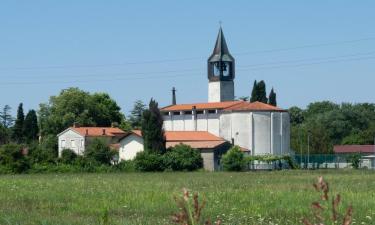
179	76
201	69
187	59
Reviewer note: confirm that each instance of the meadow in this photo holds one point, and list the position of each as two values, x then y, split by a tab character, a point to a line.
279	197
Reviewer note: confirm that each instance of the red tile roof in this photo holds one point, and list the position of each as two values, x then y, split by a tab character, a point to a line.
195	139
196	144
98	131
354	149
226	106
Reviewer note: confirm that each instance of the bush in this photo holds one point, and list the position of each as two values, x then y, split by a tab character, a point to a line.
12	160
125	166
354	159
147	161
233	160
45	152
98	151
68	156
183	158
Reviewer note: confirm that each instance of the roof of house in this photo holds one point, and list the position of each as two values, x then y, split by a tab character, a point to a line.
354	149
226	106
99	131
195	139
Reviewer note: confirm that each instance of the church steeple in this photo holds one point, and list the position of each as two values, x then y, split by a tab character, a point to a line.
221	62
220	72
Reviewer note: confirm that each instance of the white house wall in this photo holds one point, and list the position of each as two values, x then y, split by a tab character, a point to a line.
73	141
286	133
130	146
262	133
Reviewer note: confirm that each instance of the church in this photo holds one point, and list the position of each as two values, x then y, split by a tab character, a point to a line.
256	127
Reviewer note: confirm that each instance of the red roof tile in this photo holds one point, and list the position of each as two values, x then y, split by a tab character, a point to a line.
226	106
200	106
354	149
98	131
253	106
196	144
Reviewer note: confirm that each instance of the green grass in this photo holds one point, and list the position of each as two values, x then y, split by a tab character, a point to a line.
281	197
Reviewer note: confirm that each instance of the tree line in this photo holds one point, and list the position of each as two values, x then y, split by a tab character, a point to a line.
326	124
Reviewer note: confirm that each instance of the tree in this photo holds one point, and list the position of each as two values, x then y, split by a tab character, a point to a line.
152	129
99	152
233	160
76	106
31	129
183	158
5	117
259	92
262	94
296	115
135	118
18	129
272	98
4	135
13	159
254	92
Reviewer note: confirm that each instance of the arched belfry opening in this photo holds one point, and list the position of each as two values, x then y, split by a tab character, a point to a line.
221	72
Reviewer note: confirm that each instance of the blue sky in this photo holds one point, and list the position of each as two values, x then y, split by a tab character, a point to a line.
307	50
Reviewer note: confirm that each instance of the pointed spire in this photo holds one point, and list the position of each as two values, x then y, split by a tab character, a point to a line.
221	51
221	47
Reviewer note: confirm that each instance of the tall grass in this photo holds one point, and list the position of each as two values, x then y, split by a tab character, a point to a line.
279	197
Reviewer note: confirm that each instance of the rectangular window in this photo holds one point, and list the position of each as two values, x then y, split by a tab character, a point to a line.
187	112
200	111
212	111
62	143
72	143
176	113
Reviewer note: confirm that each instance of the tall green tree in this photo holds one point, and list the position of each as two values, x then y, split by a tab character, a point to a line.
152	129
76	106
18	129
31	129
254	92
135	117
262	94
6	118
4	134
259	92
272	98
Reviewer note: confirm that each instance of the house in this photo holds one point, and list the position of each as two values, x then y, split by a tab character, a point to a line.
78	138
367	153
210	146
258	127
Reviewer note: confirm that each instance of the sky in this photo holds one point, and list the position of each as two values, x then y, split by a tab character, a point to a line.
306	50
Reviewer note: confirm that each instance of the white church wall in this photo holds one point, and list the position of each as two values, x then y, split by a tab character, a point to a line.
167	124
178	123
189	122
225	126
262	133
202	122
213	123
285	133
241	129
276	136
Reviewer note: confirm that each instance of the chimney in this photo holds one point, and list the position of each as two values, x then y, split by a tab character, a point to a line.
173	96
87	132
75	125
103	132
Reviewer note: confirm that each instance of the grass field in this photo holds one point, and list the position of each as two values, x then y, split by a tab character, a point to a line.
281	197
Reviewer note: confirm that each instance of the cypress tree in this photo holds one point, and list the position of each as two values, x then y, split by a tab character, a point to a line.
272	98
261	90
31	128
254	92
18	131
152	129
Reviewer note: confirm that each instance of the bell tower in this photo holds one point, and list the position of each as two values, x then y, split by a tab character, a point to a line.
220	72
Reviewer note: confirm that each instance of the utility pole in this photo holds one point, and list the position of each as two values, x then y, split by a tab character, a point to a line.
308	149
